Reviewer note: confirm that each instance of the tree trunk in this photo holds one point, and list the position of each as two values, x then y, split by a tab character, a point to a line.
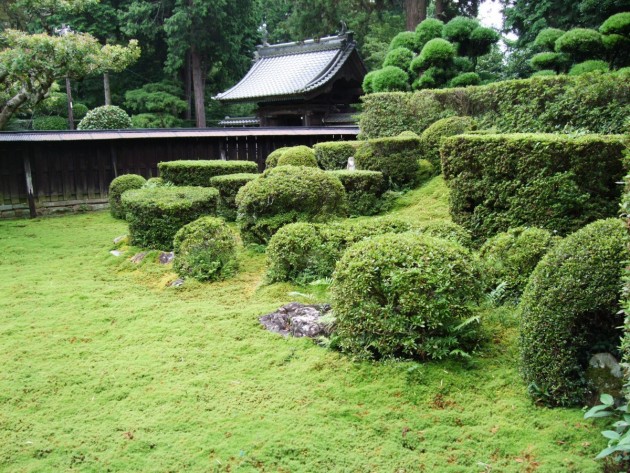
107	89
70	112
416	11
188	87
439	9
198	87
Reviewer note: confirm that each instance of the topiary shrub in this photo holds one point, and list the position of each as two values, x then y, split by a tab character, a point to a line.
274	156
432	137
363	190
205	250
406	39
390	79
228	187
481	41
117	187
305	252
427	30
298	156
199	172
156	214
569	311
50	123
155	182
399	57
556	182
436	53
459	29
546	39
285	195
447	231
510	257
549	60
405	296
79	111
544	73
107	117
466	79
589	66
581	44
334	155
368	82
617	24
397	158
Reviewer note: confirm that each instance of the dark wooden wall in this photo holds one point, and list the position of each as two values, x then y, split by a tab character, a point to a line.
75	175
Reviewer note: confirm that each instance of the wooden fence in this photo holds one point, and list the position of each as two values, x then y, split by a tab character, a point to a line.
48	172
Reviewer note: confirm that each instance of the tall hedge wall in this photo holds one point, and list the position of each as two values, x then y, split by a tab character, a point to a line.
556	182
596	103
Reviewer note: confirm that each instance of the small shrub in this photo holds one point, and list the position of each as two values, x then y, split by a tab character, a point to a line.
546	39
390	79
460	28
399	57
117	187
447	231
406	39
436	53
205	250
397	158
363	190
334	155
274	156
368	82
199	172
549	60
589	66
427	30
156	214
50	123
305	252
544	73
581	44
79	111
426	170
510	257
107	117
617	24
432	137
481	41
570	309
466	79
155	182
285	195
228	187
298	156
405	296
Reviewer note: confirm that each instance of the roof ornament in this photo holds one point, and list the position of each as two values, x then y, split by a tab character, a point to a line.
344	28
262	29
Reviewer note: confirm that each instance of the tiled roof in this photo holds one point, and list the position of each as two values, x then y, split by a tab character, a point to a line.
291	70
240	121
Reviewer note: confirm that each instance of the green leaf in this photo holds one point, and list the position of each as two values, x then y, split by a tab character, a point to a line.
607	399
611	434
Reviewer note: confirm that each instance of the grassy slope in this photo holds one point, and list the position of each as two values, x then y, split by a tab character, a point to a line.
104	368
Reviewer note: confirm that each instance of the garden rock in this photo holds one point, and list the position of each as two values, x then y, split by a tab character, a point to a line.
116	253
605	376
119	239
166	257
138	257
177	283
297	320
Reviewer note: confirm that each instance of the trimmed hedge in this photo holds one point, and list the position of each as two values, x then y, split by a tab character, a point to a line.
510	257
199	172
298	156
556	182
205	250
274	156
447	231
569	310
304	252
155	214
592	103
116	189
52	122
228	186
432	137
397	158
363	190
405	296
334	155
288	194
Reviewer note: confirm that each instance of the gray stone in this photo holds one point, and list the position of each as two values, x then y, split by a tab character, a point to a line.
118	239
166	258
298	320
177	283
605	376
138	257
116	253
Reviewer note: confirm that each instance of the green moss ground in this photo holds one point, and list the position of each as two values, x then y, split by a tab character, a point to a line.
104	368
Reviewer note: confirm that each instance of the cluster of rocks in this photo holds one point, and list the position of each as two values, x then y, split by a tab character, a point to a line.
298	320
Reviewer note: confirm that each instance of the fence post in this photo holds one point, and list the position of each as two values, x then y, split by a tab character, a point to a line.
29	183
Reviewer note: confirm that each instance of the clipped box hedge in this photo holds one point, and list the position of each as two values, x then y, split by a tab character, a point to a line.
363	190
595	103
333	155
155	214
556	182
118	187
228	186
199	172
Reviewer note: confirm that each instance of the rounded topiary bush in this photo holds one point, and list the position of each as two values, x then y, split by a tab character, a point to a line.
298	156
119	185
481	41
404	296
446	230
617	24
432	137
460	28
550	60
107	117
155	214
50	123
581	44
406	39
274	156
79	111
363	190
589	66
466	79
569	310
390	79
228	187
427	30
205	250
546	39
510	257
436	53
399	57
334	155
288	194
155	182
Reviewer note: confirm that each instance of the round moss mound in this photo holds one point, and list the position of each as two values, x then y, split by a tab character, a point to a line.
117	187
298	156
107	117
205	250
405	296
155	214
432	137
288	194
569	311
510	257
